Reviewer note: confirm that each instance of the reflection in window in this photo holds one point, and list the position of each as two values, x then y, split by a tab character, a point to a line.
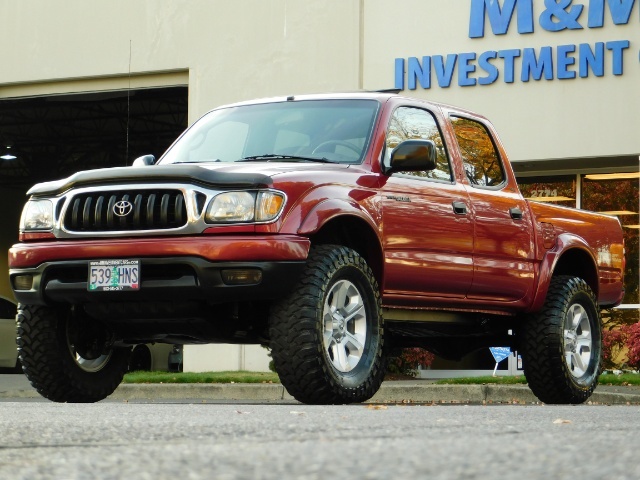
620	198
337	130
411	124
479	155
559	190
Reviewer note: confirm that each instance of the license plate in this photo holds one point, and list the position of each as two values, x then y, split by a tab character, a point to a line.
114	275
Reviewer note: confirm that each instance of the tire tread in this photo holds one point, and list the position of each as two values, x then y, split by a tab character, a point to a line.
542	345
297	344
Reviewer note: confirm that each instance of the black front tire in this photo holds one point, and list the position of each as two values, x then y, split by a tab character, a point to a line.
52	363
561	345
327	335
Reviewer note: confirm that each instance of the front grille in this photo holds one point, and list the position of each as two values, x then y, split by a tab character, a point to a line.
153	209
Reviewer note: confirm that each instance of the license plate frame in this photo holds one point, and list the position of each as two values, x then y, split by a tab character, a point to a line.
113	275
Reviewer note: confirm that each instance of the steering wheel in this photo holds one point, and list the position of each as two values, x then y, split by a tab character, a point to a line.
348	145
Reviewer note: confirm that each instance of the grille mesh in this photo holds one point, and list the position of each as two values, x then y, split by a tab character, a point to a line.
156	209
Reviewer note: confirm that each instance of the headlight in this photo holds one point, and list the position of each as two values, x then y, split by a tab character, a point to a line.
231	207
37	215
234	207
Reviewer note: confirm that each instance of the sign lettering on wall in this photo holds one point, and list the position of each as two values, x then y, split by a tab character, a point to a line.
561	62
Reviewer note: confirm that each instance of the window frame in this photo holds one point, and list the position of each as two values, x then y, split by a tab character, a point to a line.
505	178
446	153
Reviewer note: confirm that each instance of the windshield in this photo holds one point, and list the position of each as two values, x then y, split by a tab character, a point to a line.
308	130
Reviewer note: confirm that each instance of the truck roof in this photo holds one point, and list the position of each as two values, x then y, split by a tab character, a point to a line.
380	96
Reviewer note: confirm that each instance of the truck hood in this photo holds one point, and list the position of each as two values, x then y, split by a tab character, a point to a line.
220	175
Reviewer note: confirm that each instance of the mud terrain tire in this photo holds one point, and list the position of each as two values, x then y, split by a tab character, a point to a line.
562	344
327	335
52	364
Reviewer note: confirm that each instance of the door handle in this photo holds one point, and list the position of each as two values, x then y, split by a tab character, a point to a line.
459	208
515	213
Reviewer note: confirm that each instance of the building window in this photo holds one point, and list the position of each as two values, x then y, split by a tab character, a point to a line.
618	197
559	190
615	195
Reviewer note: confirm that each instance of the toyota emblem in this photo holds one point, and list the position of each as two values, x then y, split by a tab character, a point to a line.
122	208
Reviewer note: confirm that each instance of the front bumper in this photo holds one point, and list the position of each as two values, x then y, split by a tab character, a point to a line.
178	269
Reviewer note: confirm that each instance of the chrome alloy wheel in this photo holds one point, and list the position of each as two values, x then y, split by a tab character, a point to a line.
345	326
90	365
578	340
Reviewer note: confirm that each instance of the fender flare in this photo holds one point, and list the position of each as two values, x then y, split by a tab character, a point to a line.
565	242
331	208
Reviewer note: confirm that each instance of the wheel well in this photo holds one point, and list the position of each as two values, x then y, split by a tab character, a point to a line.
140	358
578	263
354	233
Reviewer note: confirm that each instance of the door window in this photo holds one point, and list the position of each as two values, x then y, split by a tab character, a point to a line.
479	156
410	123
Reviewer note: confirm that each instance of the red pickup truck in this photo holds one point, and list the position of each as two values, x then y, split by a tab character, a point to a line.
332	228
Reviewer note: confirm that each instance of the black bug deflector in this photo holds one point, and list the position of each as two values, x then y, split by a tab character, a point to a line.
191	174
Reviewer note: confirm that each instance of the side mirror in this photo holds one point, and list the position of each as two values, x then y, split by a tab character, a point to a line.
144	161
412	156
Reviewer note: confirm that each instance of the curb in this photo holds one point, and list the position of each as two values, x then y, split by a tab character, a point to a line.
196	391
390	392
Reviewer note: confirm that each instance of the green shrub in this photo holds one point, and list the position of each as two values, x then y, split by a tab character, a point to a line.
407	361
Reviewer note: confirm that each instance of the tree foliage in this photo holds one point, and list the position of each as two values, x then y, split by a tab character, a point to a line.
481	163
633	344
621	346
407	361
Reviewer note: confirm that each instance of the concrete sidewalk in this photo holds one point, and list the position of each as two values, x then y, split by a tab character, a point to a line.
406	391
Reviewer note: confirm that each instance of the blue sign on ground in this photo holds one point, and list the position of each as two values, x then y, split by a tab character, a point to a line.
500	353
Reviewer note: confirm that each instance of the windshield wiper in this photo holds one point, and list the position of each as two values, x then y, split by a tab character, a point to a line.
198	161
272	156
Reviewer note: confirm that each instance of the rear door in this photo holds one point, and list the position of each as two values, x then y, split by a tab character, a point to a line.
503	238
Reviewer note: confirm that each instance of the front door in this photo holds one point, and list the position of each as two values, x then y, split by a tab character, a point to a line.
428	229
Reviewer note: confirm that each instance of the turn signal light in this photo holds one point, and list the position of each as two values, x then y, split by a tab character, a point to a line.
23	282
245	276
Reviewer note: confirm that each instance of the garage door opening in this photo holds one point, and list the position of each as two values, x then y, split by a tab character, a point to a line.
51	137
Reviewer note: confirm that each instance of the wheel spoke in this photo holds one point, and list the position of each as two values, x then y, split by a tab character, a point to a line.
328	339
578	365
340	295
340	356
355	345
583	344
576	314
356	310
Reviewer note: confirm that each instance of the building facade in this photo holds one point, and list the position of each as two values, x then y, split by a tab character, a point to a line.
558	78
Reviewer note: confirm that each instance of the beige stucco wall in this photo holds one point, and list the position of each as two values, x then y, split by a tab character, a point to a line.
232	50
220	358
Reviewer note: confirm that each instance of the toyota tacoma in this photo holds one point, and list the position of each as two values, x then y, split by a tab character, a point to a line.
332	228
